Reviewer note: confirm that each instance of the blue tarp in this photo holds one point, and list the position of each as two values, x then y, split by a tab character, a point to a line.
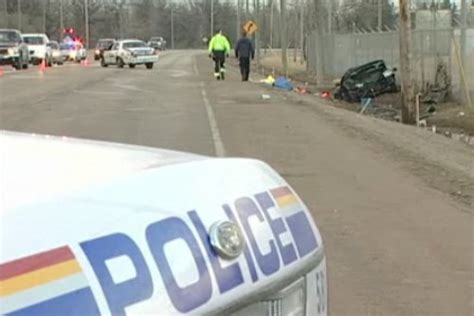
283	83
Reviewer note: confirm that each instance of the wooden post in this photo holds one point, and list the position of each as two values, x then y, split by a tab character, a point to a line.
463	31
379	16
407	95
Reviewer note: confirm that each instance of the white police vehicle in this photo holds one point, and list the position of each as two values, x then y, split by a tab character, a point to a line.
131	53
91	228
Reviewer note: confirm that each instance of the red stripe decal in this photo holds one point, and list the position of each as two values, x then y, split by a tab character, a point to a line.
27	264
282	191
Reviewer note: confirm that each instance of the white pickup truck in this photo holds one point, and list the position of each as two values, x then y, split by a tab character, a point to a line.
38	48
131	53
93	228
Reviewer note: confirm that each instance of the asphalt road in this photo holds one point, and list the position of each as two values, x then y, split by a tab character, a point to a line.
395	244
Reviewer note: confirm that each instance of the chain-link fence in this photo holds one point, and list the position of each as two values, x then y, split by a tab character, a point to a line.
430	49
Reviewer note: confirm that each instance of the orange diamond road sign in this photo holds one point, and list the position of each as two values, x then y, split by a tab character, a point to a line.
250	27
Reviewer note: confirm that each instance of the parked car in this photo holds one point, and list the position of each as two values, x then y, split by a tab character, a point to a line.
102	45
368	80
144	231
56	53
157	43
38	48
13	51
131	53
65	50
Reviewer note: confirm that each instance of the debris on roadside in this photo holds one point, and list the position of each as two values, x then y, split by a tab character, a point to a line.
325	95
365	102
283	84
266	97
302	89
438	92
269	80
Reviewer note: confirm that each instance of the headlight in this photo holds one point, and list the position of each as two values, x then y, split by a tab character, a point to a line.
13	51
289	301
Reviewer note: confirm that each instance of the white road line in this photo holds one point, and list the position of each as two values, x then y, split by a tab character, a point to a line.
216	136
196	71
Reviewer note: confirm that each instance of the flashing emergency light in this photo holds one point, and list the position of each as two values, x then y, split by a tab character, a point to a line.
69	30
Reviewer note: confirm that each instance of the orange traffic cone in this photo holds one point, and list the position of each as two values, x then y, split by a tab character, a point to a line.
1	71
43	66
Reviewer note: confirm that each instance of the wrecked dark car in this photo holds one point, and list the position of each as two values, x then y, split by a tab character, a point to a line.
366	81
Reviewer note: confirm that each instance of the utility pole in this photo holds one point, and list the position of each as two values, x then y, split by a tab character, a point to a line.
44	16
407	95
86	8
20	26
319	42
257	36
284	37
271	23
302	30
61	20
212	18
172	26
464	7
239	22
4	16
379	16
330	17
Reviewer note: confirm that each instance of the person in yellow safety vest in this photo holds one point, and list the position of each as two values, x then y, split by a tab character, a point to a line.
219	48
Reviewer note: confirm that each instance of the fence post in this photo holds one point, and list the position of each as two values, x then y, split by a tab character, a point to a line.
422	65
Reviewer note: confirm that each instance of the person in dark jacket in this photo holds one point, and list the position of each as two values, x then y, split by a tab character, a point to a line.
244	51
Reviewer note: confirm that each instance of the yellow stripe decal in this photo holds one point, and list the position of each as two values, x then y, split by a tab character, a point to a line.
39	277
287	200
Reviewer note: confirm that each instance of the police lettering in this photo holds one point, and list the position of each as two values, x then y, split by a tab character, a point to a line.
120	295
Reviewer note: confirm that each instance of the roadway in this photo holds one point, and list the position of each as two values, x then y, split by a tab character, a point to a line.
395	244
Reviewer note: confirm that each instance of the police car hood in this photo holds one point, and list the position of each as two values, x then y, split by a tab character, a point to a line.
122	228
140	49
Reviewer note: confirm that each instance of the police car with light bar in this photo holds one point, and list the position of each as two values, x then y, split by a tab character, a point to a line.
131	53
92	228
